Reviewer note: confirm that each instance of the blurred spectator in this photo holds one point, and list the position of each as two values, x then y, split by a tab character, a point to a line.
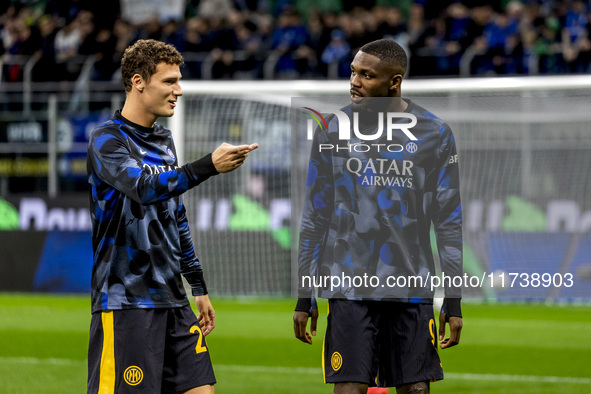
576	47
319	36
27	39
354	30
338	52
101	45
195	38
223	42
369	22
416	25
194	41
460	26
496	34
290	42
546	47
221	36
255	39
19	42
172	33
265	26
66	10
151	29
68	40
124	34
46	68
251	45
393	24
438	49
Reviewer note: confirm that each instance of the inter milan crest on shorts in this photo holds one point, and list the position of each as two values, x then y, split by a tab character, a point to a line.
133	375
336	361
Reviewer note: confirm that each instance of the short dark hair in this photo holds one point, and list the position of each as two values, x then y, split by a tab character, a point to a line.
143	57
388	51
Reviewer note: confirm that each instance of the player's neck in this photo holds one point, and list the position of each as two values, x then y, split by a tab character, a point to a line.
397	104
135	113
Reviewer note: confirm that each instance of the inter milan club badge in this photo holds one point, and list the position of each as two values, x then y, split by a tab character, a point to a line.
169	151
133	375
336	361
411	147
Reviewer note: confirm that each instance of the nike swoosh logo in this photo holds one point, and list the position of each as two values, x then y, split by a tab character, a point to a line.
143	152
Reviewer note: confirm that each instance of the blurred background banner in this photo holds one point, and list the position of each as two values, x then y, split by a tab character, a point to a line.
46	244
138	12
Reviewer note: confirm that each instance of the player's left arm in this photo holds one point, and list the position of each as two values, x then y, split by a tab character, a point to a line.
193	272
316	214
448	230
455	329
301	317
206	315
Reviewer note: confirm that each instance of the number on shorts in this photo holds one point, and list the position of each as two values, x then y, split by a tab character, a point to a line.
432	330
200	348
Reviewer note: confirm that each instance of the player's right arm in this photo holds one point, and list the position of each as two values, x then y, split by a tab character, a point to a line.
448	230
300	321
112	162
316	215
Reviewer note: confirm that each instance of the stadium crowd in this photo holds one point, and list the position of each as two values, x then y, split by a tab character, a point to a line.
250	39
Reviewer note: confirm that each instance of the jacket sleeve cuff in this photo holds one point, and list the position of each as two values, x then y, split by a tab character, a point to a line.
197	283
452	307
306	305
199	170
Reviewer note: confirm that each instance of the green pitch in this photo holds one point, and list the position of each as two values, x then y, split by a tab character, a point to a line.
504	348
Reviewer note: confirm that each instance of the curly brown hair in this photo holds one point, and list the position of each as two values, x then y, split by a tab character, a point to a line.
143	57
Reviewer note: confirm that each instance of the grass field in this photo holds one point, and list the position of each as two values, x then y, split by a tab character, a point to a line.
504	349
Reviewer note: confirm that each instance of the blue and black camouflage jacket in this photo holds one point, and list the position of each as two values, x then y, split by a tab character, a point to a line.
140	232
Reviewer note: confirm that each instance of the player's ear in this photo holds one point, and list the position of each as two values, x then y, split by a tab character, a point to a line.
395	82
138	83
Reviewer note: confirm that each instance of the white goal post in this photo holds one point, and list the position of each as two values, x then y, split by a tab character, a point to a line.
524	146
296	88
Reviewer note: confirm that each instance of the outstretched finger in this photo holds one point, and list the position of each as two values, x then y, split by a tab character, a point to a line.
242	149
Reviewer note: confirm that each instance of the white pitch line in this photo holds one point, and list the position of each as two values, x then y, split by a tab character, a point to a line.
318	371
448	375
517	378
37	361
267	369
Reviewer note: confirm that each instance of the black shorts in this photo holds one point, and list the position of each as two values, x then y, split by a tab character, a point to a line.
147	351
380	343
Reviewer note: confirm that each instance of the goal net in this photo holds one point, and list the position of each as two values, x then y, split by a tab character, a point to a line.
524	148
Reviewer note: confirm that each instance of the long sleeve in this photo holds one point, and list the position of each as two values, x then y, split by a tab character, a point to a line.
113	162
447	218
141	240
190	265
316	213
